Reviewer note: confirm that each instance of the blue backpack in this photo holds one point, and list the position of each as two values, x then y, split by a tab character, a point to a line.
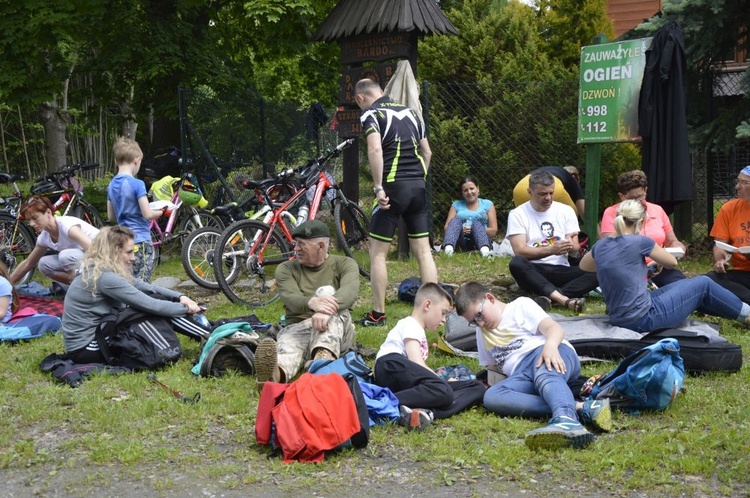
648	379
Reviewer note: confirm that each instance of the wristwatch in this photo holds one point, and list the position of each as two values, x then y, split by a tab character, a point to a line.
377	189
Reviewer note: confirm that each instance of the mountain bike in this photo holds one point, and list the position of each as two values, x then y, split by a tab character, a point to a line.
64	189
253	249
17	239
198	246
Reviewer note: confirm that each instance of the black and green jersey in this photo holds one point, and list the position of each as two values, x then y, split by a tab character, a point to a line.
400	131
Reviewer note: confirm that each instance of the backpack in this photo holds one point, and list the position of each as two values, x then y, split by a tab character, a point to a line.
230	346
138	341
350	363
407	290
648	379
312	415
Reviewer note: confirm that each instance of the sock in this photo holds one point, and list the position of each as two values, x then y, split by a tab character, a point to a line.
448	250
376	314
484	251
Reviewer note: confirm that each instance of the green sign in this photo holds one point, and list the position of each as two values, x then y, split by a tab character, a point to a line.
611	75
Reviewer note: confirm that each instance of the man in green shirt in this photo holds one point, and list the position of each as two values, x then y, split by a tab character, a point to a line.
317	290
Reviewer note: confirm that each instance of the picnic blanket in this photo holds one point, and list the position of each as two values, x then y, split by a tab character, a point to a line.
41	305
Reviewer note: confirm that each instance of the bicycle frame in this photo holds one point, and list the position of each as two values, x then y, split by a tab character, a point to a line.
166	234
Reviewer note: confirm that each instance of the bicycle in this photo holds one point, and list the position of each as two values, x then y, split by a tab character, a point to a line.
63	187
198	246
17	239
190	218
253	249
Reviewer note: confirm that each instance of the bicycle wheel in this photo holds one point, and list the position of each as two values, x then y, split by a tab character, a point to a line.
17	240
353	234
198	258
155	258
192	219
88	213
245	261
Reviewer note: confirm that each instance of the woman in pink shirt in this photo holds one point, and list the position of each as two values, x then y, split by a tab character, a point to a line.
633	185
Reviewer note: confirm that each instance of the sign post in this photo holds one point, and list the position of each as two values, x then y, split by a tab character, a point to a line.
611	75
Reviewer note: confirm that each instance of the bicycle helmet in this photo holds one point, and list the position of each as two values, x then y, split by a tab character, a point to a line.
44	187
190	195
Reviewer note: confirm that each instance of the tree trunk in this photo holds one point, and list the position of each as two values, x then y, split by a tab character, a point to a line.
23	142
55	122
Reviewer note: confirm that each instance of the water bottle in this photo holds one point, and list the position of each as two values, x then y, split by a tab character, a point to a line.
302	214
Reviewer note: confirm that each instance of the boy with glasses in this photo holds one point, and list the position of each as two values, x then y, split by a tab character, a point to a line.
519	340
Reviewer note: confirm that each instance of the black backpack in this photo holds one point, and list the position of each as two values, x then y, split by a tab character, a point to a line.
138	341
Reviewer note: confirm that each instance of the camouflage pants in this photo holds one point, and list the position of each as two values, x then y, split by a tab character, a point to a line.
297	342
144	261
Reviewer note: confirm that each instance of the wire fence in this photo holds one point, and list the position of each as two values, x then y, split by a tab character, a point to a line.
497	132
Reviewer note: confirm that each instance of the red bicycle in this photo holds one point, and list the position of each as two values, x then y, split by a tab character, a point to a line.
248	251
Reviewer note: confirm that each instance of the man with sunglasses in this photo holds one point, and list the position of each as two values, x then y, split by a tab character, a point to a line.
519	340
732	226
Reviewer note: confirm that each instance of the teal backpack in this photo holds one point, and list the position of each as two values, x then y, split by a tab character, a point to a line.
648	379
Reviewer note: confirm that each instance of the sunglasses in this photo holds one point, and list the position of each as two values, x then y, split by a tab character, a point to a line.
479	317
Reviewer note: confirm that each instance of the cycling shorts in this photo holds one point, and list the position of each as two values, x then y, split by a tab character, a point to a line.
408	199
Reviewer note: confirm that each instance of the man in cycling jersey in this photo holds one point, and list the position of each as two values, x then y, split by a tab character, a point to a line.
399	156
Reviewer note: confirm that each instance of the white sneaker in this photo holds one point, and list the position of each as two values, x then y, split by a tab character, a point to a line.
448	250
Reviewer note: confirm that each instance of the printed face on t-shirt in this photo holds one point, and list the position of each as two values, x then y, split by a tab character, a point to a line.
547	230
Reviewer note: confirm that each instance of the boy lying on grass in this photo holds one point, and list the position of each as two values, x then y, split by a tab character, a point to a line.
519	340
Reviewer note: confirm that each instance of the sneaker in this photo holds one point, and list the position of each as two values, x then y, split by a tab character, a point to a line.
561	432
370	321
415	418
266	363
598	414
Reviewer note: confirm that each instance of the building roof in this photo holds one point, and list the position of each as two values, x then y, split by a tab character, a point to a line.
357	17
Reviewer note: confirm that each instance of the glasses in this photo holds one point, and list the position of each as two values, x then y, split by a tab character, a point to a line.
479	317
638	197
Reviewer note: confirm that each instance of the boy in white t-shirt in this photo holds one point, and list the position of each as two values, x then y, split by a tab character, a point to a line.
400	364
521	341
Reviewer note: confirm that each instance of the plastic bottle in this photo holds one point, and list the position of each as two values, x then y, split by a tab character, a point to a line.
302	215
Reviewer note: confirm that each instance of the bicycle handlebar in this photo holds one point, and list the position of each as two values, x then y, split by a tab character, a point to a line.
70	169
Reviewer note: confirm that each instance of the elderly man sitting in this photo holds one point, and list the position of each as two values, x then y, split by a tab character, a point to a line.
317	290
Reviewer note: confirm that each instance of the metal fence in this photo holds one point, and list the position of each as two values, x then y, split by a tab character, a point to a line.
497	132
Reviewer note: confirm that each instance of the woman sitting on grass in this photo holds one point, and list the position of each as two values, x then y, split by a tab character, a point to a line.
472	222
105	286
620	265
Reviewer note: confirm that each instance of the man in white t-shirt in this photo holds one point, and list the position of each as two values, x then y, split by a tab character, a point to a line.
544	236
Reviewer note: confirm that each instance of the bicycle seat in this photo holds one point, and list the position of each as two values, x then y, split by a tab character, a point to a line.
225	209
253	184
9	177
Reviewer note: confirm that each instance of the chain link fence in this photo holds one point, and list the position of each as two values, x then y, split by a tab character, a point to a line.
497	132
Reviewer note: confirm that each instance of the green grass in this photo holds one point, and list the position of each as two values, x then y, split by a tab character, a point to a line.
124	429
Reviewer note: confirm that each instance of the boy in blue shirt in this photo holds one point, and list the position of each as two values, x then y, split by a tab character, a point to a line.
127	204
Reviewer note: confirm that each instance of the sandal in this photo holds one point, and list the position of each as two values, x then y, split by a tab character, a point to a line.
576	304
544	302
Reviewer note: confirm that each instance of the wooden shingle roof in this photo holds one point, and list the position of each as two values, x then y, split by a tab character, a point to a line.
356	17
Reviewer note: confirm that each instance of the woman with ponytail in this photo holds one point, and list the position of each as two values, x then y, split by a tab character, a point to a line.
620	265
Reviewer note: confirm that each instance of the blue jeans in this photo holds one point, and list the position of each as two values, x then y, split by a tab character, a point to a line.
536	392
671	305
